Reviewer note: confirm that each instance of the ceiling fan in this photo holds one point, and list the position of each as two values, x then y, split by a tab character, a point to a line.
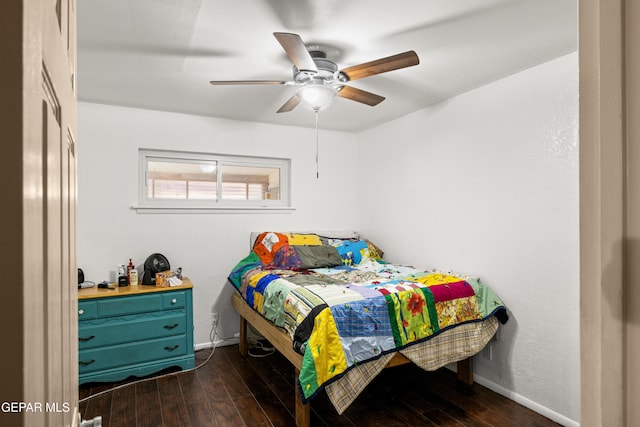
319	78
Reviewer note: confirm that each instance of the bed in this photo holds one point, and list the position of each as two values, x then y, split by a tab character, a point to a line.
340	314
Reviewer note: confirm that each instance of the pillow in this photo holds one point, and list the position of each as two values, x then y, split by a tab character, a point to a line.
293	257
374	251
303	239
318	256
267	244
285	258
351	252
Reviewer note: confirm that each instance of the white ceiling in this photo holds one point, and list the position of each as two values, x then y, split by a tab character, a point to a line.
161	54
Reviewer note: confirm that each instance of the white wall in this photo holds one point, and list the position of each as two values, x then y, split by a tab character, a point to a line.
487	184
207	246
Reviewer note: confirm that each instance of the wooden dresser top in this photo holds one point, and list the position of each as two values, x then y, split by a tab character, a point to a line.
95	292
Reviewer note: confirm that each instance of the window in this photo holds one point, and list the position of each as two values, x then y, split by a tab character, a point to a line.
183	180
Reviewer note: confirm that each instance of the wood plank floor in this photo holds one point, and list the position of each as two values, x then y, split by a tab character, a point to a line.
226	392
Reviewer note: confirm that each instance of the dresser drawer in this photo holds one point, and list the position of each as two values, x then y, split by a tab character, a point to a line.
87	310
119	306
118	330
173	300
128	354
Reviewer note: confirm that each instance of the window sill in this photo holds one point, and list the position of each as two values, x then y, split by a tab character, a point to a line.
211	210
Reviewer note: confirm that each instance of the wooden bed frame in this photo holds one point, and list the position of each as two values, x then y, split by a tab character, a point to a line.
282	342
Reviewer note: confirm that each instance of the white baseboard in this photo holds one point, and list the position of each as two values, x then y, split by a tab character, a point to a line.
534	406
218	343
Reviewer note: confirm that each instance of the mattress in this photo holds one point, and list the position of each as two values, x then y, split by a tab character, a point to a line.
347	310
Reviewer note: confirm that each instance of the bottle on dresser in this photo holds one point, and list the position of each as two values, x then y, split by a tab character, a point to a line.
133	277
121	276
130	267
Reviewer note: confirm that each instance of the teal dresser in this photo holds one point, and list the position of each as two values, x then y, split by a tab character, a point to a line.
134	331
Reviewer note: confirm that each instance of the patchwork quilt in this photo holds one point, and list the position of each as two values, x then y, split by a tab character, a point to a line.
343	305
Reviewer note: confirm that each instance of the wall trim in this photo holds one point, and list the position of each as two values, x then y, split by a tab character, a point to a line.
518	398
217	343
602	212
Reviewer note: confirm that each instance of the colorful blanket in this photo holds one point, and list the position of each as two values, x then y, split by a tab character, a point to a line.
343	305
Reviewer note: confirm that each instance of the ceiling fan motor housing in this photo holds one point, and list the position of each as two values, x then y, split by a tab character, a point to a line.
327	71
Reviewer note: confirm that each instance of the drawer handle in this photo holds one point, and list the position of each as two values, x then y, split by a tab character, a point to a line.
173	347
89	362
81	311
171	326
173	301
83	339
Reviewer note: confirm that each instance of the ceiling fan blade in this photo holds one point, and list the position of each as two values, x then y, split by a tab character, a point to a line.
246	82
290	104
390	63
360	95
297	51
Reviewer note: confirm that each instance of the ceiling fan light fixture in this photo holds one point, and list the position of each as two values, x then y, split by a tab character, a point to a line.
317	96
320	79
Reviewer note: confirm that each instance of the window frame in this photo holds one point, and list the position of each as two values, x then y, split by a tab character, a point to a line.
219	204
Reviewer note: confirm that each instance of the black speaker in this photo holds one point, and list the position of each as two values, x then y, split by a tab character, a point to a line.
80	276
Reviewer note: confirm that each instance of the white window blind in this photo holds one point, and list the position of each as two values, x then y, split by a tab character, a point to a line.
178	180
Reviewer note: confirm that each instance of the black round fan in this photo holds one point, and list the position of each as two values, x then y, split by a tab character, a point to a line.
155	263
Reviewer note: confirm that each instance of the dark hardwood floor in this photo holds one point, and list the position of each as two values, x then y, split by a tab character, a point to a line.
234	391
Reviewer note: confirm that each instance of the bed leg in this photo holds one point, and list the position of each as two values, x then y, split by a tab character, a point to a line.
243	346
303	418
465	373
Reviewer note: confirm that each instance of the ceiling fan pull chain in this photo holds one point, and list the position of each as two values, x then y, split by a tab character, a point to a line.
317	163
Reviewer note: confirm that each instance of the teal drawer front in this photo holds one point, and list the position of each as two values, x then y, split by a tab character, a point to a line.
87	310
172	300
120	306
128	354
138	332
102	332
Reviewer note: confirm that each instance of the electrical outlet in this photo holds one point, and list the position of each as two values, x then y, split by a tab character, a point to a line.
488	352
214	318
